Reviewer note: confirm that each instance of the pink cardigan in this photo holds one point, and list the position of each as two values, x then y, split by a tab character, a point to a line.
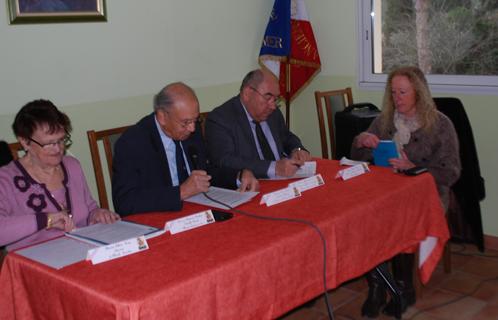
24	203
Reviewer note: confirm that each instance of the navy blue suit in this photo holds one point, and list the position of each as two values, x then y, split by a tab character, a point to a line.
141	180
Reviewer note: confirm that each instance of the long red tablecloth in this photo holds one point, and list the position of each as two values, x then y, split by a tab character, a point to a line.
243	268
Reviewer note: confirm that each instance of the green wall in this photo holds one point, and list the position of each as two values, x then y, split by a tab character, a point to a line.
104	74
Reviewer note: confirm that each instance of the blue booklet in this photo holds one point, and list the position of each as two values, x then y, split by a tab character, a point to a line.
386	149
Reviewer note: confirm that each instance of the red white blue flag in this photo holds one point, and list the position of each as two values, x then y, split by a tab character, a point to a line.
289	48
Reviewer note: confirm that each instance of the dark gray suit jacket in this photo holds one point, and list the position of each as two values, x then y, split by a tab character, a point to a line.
230	141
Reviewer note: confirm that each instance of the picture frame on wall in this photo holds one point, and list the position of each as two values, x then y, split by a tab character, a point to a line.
49	11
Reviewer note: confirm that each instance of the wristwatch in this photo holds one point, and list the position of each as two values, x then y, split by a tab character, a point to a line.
299	149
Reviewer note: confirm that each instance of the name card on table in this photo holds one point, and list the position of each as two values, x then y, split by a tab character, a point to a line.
353	171
190	222
117	250
348	162
308	183
280	196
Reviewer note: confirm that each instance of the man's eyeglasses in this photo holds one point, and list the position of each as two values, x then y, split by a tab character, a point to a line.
65	142
269	97
185	123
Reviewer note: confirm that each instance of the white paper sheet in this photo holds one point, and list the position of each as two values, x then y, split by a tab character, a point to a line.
104	234
57	253
307	170
230	197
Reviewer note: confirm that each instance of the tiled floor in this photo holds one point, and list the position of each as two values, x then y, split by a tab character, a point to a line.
470	291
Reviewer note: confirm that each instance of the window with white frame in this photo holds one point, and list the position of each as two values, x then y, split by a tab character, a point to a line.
455	42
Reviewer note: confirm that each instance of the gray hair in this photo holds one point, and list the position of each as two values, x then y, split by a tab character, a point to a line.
252	79
165	98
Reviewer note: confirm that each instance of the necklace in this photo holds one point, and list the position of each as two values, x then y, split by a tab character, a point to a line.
61	206
48	194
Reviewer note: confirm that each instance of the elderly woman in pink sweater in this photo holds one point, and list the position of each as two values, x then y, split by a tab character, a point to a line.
44	193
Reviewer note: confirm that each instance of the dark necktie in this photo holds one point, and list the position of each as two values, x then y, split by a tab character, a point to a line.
181	169
263	143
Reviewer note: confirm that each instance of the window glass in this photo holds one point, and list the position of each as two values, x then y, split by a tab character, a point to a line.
455	42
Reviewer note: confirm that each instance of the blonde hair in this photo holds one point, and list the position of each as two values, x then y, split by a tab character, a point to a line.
425	107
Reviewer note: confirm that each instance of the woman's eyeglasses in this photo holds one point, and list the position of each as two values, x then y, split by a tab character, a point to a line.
65	142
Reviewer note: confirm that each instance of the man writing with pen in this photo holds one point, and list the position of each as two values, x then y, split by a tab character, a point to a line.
248	131
161	160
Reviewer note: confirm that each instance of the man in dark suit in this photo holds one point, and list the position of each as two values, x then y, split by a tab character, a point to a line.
161	160
248	131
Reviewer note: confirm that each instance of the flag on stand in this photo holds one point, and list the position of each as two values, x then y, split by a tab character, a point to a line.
289	48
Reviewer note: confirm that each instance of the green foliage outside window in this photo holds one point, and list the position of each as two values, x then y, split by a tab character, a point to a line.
449	37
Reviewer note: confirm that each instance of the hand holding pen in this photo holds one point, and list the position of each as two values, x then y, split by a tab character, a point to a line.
300	154
287	167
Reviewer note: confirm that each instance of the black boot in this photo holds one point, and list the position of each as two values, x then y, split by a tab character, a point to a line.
403	276
376	295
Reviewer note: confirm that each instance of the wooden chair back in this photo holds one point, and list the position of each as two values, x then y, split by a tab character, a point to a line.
108	137
327	104
202	121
